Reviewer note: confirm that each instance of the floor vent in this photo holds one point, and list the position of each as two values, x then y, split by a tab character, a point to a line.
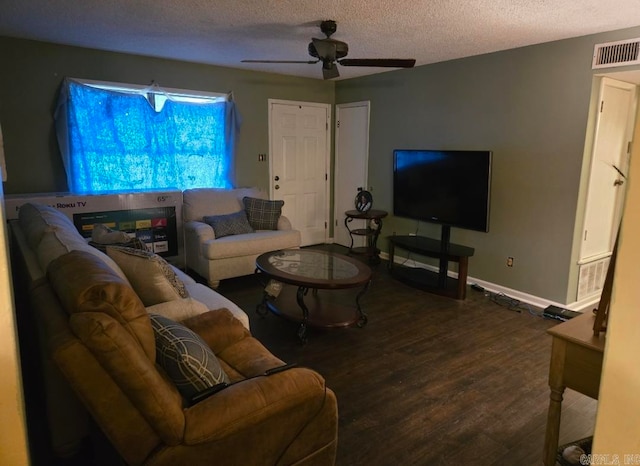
620	53
591	278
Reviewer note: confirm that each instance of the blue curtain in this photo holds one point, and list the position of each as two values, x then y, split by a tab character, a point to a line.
116	141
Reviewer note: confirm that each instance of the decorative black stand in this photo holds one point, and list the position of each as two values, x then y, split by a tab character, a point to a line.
374	216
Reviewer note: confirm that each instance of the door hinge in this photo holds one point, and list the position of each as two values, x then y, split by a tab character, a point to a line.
629	147
325	225
338	124
326	177
601	105
585	235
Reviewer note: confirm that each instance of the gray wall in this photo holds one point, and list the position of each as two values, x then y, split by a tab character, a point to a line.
530	107
32	73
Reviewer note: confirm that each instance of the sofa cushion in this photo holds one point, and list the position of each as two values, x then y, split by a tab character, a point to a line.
84	283
37	219
178	309
214	300
51	234
150	275
229	224
213	201
57	242
250	244
132	385
185	357
262	213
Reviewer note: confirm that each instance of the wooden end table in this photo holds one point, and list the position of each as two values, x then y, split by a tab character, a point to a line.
576	362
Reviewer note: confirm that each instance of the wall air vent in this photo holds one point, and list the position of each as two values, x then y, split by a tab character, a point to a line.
620	53
591	277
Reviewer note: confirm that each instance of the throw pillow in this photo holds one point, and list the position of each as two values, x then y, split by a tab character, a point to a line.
179	309
229	224
262	213
185	357
102	235
150	275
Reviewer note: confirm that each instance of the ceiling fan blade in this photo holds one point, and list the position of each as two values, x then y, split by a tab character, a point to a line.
379	62
309	62
325	48
329	70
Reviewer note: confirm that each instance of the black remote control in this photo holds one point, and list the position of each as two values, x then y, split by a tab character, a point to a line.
275	370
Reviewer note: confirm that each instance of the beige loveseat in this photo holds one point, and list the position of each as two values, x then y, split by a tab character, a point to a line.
100	356
216	258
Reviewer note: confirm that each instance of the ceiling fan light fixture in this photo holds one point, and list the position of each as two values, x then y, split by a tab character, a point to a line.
329	70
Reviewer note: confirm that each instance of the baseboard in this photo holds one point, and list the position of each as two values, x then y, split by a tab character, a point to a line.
586	304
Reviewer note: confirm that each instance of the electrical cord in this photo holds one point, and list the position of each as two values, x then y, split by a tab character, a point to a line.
408	258
510	303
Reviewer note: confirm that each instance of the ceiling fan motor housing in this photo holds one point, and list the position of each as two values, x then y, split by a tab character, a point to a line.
328	27
342	49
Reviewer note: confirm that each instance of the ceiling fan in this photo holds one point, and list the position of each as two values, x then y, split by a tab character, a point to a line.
332	52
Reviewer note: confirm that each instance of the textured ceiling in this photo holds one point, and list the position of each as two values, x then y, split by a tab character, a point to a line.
223	32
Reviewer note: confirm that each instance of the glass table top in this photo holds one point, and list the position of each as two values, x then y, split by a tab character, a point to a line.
313	264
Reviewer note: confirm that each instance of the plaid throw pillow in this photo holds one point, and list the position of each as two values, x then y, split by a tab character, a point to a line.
262	214
185	357
229	224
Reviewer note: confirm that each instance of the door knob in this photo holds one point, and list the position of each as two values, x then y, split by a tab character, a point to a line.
277	178
618	182
277	186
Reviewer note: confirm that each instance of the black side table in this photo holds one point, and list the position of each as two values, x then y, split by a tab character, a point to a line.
371	232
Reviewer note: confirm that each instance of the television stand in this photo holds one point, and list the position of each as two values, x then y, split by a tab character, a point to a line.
434	282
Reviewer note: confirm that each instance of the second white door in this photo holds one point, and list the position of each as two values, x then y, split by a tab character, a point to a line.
614	129
352	156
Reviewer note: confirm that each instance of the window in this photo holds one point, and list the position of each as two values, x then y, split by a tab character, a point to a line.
121	138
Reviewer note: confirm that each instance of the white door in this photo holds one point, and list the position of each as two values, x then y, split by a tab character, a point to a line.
351	165
298	164
609	164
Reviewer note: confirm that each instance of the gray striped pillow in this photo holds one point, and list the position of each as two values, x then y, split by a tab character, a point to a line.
229	224
185	357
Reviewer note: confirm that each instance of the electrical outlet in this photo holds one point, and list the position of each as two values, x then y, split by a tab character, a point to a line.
509	261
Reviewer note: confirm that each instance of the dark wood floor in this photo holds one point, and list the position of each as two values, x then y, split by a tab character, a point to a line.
429	380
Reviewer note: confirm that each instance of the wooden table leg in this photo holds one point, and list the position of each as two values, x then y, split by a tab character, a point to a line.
463	267
392	249
556	384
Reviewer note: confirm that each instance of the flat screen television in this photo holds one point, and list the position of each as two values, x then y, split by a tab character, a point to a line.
448	187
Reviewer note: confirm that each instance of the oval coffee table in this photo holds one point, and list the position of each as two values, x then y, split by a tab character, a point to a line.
291	273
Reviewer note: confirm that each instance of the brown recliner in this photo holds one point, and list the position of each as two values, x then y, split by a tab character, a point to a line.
105	347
